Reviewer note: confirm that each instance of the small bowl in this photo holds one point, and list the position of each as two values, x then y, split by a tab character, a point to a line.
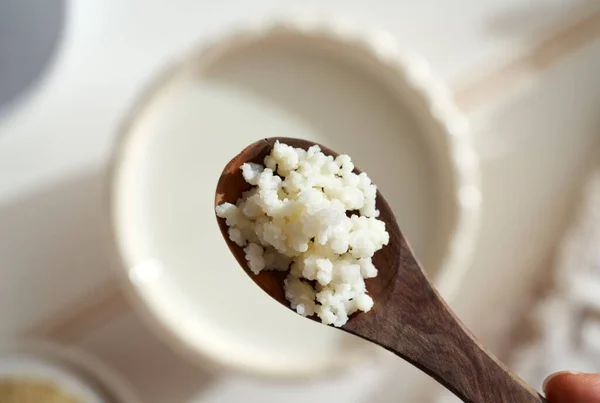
69	369
354	91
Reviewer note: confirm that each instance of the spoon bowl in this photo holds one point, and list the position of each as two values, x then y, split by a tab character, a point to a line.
409	317
230	187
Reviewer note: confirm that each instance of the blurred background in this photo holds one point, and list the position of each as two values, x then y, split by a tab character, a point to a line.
524	72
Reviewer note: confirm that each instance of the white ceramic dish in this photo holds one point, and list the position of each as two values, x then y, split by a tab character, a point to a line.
70	369
353	91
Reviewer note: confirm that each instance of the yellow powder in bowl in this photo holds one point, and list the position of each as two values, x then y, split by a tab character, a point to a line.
22	390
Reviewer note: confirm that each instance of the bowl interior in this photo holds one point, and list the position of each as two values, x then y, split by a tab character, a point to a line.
28	367
84	375
204	112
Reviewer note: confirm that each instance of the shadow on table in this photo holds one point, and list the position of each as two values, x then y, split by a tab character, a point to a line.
158	374
53	245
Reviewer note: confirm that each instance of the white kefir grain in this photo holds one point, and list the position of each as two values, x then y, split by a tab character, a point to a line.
295	218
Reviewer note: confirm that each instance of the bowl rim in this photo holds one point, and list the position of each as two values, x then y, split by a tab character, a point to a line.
33	367
71	362
423	83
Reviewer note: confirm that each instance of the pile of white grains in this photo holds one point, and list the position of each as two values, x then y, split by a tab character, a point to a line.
296	217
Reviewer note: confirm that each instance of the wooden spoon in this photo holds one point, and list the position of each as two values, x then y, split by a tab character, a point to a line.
409	317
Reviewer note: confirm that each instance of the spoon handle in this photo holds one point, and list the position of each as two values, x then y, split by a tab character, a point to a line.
419	327
448	353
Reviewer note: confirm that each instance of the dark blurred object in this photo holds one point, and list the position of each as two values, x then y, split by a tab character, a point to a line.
30	31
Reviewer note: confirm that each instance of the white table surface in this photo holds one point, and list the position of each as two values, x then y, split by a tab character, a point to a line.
54	144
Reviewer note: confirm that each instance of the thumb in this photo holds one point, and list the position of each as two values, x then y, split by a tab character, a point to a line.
569	387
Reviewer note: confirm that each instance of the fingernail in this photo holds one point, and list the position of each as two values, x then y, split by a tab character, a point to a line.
547	380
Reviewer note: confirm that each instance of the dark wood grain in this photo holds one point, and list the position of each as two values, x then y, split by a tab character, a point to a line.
409	317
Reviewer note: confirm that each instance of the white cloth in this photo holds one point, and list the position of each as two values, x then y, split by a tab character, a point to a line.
567	321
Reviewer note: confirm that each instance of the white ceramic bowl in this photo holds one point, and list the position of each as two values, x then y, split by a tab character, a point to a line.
42	370
70	369
355	92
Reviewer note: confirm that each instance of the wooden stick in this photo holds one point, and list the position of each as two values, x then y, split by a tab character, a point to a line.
541	57
87	315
